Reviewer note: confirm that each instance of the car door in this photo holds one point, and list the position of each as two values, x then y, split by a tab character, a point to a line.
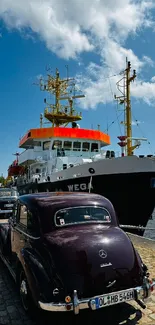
26	230
19	230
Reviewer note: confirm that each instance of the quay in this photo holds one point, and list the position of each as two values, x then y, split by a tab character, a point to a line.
146	249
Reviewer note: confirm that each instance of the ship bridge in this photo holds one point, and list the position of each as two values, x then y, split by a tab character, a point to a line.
34	136
76	142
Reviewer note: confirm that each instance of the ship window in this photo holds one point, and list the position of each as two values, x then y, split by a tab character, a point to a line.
37	143
76	146
67	145
57	144
46	145
38	170
94	147
85	146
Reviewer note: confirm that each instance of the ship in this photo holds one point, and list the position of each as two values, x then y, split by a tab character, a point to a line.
64	157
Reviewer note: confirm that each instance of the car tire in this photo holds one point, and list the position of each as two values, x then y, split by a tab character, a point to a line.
25	294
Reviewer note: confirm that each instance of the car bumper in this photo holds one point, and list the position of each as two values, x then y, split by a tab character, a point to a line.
140	295
5	211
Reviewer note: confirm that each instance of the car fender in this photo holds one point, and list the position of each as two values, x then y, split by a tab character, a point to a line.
39	280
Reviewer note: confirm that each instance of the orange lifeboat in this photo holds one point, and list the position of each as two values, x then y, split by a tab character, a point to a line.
14	169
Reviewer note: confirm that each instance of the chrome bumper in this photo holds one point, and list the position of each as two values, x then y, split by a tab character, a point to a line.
5	211
140	296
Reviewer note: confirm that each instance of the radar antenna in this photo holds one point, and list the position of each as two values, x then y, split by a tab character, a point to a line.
61	89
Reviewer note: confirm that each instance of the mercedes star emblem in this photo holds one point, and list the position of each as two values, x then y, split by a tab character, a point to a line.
102	253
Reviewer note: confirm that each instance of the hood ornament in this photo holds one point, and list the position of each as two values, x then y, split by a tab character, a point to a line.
102	253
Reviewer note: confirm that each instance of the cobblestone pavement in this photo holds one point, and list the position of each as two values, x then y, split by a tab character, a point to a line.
146	249
12	313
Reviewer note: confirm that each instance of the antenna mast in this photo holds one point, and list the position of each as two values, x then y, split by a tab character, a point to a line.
17	155
128	108
61	89
125	99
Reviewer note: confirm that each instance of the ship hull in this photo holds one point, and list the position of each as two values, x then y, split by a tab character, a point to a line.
132	194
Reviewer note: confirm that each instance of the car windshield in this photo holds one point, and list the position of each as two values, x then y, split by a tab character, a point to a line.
79	215
7	192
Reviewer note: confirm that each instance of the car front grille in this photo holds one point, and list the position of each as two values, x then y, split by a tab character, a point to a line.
4	207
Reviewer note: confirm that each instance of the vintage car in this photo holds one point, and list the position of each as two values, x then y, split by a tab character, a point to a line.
66	252
8	197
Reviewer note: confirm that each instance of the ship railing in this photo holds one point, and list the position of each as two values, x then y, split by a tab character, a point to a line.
136	227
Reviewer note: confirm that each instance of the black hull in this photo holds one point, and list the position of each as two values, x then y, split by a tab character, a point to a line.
132	195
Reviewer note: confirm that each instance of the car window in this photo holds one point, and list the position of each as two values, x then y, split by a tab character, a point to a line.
16	212
32	224
23	215
6	192
28	220
78	215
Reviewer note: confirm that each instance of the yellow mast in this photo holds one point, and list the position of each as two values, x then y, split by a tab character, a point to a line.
62	89
129	78
125	99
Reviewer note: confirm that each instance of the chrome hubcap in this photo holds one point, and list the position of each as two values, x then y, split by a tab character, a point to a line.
24	294
23	287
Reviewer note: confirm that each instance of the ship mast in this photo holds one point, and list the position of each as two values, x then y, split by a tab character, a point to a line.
62	89
125	99
129	79
17	155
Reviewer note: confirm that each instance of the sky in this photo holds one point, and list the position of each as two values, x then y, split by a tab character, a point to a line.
92	37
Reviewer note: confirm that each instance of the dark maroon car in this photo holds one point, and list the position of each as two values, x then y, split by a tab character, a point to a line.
67	252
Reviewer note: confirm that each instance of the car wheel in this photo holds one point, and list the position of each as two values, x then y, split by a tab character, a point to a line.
24	291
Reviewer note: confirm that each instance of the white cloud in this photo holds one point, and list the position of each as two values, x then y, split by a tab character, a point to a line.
67	26
99	84
148	61
144	90
51	20
71	27
114	56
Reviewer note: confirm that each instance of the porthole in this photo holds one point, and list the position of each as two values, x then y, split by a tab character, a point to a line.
91	170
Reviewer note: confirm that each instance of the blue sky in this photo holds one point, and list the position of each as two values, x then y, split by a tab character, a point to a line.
94	41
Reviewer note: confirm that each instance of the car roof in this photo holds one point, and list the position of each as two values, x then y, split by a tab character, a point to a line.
57	196
48	203
61	200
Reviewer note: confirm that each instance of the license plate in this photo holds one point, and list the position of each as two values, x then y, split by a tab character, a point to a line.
8	205
5	211
114	298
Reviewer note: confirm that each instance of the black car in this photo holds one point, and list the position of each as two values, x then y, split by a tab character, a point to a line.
8	197
66	252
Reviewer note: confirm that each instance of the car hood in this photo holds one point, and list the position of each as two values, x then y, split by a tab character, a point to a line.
94	259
